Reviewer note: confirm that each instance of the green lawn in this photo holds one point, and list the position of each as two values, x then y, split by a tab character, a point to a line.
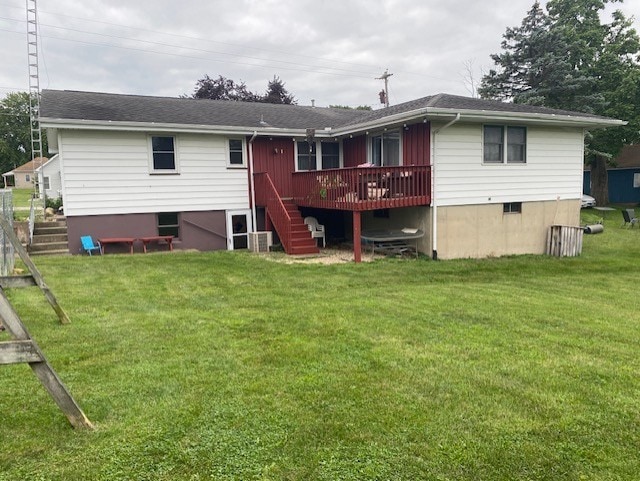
22	197
227	366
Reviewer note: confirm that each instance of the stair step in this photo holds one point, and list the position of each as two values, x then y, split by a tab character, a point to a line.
57	223
46	238
304	250
49	230
57	252
49	246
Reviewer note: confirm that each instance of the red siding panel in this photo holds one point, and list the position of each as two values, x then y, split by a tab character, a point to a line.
354	151
275	157
416	144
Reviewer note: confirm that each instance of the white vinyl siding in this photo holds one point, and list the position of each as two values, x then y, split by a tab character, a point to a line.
51	170
108	173
553	169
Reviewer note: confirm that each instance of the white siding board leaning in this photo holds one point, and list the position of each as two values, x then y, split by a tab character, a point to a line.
553	169
108	173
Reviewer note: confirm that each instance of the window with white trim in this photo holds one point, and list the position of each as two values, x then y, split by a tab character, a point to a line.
163	154
47	183
385	148
496	137
236	153
306	155
330	155
636	180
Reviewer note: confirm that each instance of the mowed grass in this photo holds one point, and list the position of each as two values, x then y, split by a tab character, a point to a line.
22	197
227	366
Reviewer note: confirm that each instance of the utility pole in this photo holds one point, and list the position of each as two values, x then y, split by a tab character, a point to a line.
384	94
34	86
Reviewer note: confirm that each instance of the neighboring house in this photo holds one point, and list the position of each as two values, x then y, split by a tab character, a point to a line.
23	177
623	177
48	179
480	178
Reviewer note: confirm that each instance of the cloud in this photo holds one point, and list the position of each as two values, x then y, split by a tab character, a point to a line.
327	50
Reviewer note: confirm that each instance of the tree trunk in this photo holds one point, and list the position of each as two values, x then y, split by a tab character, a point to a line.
600	180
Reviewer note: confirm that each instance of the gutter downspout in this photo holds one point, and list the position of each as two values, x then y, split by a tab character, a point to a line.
434	203
252	183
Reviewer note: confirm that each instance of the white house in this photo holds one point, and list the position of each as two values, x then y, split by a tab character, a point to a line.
49	179
479	178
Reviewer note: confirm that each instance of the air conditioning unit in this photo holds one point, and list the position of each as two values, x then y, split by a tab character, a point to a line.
260	241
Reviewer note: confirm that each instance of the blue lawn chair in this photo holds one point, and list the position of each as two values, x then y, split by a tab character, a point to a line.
88	245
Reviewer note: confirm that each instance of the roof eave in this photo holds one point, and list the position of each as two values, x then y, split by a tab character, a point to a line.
527	117
82	124
433	113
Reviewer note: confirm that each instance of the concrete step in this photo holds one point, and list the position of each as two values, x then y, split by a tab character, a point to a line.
46	238
49	230
57	223
49	246
58	252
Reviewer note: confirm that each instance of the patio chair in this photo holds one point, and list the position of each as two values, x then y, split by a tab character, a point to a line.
629	217
317	230
89	246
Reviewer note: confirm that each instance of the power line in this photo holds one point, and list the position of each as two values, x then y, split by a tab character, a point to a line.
84	42
200	39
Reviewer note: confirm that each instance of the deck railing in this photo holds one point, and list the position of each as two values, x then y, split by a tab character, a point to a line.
363	188
267	195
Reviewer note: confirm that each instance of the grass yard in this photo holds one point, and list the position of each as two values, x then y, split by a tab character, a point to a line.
228	366
22	197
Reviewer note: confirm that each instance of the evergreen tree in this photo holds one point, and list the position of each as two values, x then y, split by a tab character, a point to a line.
277	93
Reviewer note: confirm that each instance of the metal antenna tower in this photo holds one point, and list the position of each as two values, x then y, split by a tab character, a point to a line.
34	79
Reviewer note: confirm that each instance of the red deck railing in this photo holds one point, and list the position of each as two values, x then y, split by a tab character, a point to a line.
363	188
267	195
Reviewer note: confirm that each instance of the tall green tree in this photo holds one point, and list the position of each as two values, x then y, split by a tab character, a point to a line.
277	93
567	58
222	88
15	133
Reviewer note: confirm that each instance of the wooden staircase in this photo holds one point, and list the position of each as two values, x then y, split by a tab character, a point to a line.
49	238
300	240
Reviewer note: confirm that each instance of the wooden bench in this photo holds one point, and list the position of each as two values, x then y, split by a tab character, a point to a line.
167	239
116	240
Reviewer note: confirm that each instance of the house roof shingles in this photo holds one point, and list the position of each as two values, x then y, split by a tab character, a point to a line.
93	106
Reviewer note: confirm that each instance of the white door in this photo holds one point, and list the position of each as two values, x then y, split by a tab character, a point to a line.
238	228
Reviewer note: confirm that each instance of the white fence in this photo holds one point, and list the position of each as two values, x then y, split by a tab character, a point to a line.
7	254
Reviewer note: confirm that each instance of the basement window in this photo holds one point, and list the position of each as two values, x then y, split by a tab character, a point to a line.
168	224
512	208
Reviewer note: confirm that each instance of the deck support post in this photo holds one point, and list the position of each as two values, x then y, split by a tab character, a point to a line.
357	240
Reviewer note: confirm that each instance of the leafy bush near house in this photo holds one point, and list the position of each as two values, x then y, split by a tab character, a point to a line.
55	204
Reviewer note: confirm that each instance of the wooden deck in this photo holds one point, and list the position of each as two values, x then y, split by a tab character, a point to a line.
363	188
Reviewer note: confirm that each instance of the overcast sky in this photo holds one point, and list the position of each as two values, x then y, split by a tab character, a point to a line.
327	50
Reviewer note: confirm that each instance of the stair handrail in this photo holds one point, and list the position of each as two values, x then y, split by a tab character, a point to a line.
277	211
32	220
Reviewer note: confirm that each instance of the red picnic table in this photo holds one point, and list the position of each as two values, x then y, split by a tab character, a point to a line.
167	239
116	240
